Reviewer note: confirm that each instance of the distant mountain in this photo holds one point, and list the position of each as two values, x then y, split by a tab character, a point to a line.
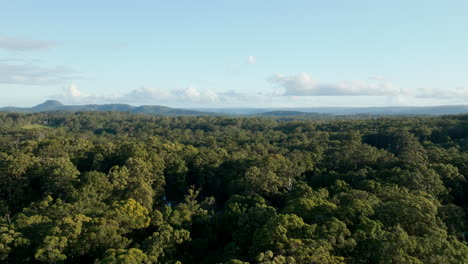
311	112
149	109
48	106
53	105
344	111
279	113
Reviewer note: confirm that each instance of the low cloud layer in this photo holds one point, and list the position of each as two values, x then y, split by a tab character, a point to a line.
29	74
289	91
144	95
189	94
21	44
459	92
304	85
71	94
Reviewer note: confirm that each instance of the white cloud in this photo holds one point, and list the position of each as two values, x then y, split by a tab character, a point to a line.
193	94
251	60
293	91
30	74
232	94
304	85
190	92
145	93
377	78
21	44
154	95
459	92
74	92
71	94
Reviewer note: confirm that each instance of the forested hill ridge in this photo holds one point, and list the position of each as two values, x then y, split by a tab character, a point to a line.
387	110
114	187
53	105
311	112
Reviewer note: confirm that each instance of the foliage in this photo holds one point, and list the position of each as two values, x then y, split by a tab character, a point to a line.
114	187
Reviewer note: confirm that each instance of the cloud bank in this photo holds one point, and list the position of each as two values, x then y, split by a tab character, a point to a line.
71	94
304	85
287	91
29	74
189	94
144	95
458	92
21	44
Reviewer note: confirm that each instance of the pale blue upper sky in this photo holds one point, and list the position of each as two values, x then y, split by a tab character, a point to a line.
234	53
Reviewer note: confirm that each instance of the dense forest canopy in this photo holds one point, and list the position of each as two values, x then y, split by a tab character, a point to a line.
114	187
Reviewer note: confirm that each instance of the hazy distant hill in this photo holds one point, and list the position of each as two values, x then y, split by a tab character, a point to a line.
53	105
394	110
285	113
311	112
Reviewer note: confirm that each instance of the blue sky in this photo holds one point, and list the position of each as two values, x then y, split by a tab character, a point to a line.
234	53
